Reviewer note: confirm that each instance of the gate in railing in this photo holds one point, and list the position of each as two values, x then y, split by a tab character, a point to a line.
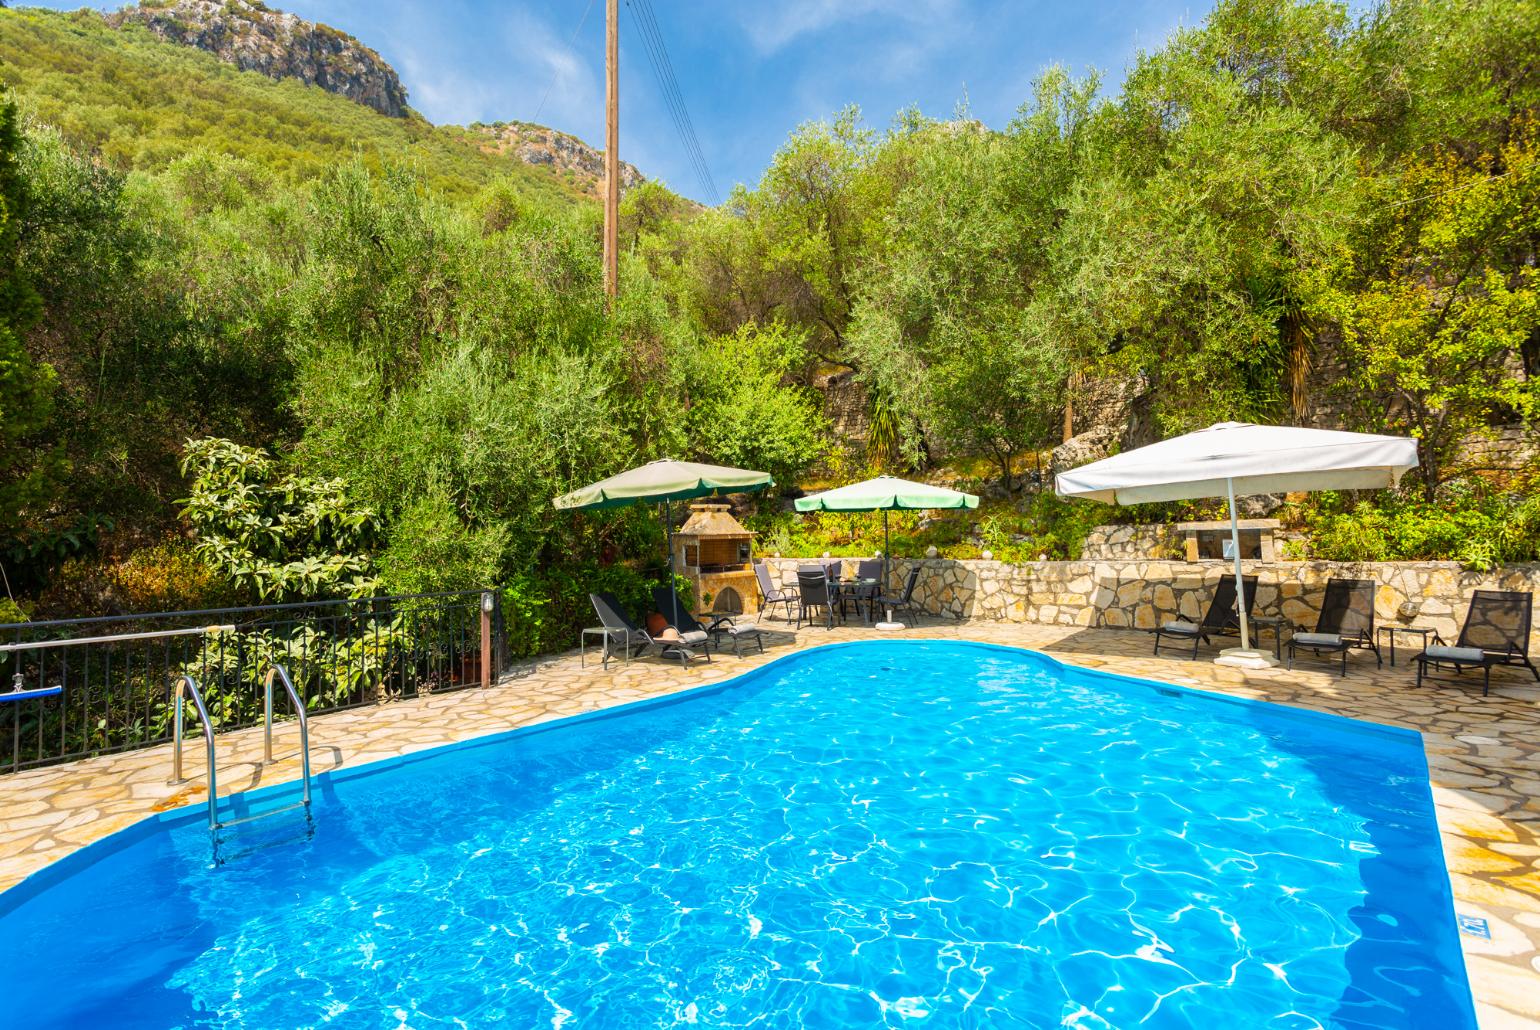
117	691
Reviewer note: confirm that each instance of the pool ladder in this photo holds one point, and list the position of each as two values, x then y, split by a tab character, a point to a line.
187	687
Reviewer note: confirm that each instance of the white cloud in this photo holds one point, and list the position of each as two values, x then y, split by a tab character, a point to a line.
772	26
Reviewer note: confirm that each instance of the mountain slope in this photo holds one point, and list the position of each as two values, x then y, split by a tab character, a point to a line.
140	102
571	158
254	37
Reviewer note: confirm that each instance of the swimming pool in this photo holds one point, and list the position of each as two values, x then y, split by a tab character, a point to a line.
873	834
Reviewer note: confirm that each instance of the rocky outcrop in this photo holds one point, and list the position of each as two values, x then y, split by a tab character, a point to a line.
255	38
540	146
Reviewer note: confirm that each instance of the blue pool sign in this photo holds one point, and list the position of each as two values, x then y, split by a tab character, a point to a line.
1475	926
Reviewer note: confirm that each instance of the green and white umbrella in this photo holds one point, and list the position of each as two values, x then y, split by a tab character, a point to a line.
885	494
664	480
659	482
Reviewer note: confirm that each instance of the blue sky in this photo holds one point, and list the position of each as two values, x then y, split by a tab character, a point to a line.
749	72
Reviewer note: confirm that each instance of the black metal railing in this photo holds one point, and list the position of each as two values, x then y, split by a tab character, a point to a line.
116	672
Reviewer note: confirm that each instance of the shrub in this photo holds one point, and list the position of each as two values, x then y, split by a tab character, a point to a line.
281	536
1481	532
11	612
431	550
544	610
171	576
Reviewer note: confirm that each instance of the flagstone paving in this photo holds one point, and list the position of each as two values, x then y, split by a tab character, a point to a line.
1483	755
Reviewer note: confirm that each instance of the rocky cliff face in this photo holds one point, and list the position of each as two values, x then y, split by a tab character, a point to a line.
537	145
253	37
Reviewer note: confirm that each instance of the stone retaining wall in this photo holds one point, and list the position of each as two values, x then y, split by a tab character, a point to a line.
1142	594
1143	540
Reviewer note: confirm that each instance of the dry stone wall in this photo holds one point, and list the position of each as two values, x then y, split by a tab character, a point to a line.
1131	541
1144	593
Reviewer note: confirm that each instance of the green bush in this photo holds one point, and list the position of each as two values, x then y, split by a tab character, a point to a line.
11	612
283	536
544	611
744	409
1481	532
432	550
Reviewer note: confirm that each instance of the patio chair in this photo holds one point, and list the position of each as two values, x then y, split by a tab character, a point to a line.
617	624
813	592
903	603
871	569
771	595
1496	632
1221	616
1346	622
664	600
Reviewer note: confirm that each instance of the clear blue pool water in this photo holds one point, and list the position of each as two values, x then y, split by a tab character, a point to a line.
881	834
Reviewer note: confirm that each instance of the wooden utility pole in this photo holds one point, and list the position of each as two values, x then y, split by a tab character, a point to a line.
611	146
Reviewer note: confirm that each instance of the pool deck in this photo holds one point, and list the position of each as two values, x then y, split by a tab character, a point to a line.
1483	754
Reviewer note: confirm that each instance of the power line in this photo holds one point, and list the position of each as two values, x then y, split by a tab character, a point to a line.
673	99
657	56
1452	189
573	39
668	67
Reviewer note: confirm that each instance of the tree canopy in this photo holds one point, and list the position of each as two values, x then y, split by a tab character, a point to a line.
1289	212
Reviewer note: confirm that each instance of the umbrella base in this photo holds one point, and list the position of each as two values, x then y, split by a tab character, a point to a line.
1240	658
888	625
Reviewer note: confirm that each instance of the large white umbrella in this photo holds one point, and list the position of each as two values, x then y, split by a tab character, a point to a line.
1240	459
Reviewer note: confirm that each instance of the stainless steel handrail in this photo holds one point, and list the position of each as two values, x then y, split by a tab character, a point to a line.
186	687
38	645
186	682
276	671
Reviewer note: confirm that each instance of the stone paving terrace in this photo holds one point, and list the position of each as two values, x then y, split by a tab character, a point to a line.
1483	754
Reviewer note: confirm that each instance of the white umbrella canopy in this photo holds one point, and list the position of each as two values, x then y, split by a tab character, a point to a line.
1240	459
1247	458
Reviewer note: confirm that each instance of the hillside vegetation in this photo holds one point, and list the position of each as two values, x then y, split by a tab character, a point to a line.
140	102
260	342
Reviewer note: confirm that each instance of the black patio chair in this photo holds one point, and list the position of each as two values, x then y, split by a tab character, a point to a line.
1221	616
1496	632
813	592
1346	622
771	595
903	604
868	569
617	624
665	600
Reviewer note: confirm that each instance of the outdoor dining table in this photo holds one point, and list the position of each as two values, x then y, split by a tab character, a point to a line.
857	590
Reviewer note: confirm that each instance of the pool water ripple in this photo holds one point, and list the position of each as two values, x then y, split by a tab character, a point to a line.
893	834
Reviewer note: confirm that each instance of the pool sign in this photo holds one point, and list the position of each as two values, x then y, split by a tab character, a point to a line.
1475	926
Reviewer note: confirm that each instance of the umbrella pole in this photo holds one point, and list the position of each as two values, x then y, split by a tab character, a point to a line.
884	584
1240	580
668	533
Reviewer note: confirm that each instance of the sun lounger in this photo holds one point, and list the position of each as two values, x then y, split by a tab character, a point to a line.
1221	615
619	626
1496	632
1346	622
